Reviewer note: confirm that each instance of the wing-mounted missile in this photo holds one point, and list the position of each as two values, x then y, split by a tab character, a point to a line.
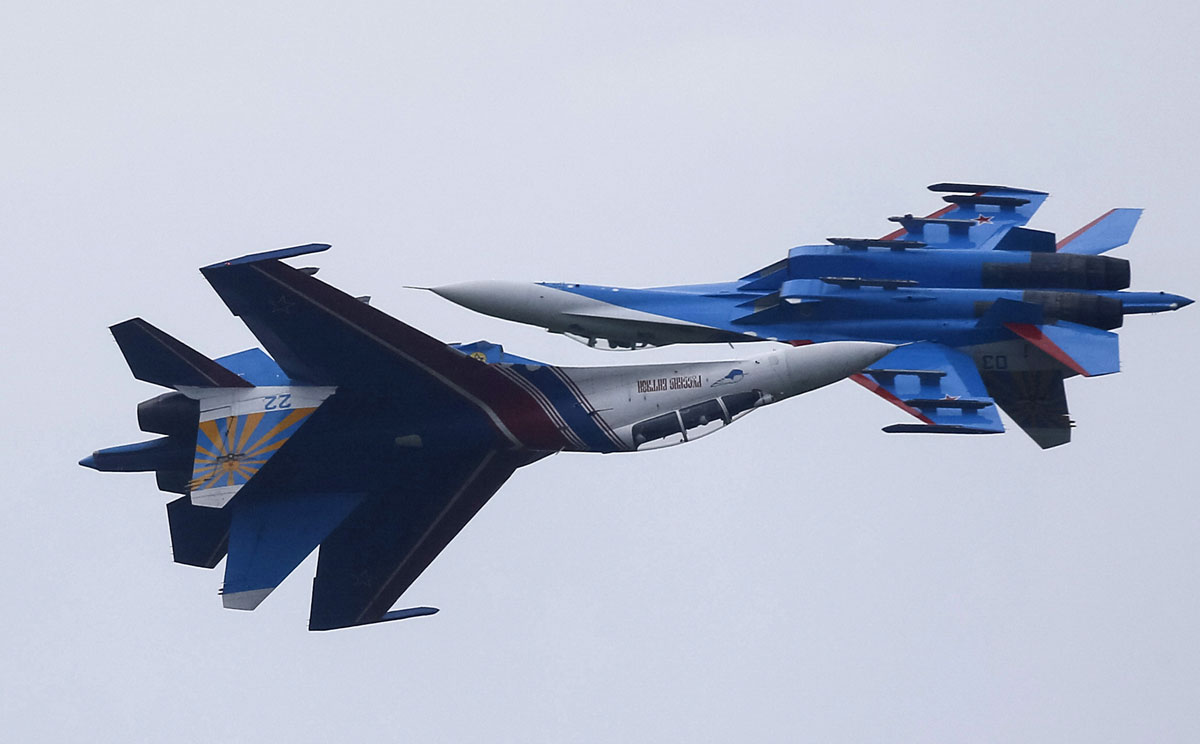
862	244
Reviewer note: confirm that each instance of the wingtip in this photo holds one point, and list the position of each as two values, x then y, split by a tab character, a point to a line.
299	250
407	613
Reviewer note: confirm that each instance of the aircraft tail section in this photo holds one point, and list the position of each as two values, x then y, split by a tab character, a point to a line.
239	431
158	357
1112	229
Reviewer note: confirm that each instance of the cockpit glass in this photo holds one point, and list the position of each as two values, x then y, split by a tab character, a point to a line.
701	414
739	402
656	428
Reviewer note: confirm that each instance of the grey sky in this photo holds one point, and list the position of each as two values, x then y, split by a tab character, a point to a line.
799	577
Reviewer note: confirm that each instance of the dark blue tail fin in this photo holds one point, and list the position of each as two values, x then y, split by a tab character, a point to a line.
156	357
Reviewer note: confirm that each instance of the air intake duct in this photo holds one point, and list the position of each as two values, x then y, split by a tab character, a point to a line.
1058	271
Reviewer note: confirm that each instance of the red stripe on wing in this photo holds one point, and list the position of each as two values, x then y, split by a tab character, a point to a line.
890	397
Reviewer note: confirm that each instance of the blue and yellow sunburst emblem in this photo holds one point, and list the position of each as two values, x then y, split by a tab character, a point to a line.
229	451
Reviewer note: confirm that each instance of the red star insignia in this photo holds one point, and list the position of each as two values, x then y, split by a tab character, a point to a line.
982	219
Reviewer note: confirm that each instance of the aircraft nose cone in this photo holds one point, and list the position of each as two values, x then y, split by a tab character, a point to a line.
493	297
863	354
1181	301
89	462
822	364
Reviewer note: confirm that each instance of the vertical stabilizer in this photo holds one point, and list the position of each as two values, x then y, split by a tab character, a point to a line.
158	357
1112	229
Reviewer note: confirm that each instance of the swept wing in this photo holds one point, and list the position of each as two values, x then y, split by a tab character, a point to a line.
381	508
976	216
937	385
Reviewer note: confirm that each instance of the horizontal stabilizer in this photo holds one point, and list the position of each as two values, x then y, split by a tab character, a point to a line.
199	536
854	282
1112	229
157	357
971	200
914	225
1035	400
1082	349
270	535
949	402
865	243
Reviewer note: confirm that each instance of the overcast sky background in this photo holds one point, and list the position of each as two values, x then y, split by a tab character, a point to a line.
799	577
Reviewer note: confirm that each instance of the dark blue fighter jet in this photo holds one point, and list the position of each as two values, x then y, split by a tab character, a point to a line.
995	314
362	435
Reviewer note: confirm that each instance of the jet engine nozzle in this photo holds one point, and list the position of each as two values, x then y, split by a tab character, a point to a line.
169	413
1057	271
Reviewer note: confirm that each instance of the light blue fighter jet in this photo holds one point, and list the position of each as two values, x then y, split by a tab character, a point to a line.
993	314
378	443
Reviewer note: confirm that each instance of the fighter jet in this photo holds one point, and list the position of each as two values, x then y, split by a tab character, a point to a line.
997	314
362	435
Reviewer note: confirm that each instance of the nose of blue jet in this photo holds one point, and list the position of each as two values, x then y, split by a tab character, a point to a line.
500	299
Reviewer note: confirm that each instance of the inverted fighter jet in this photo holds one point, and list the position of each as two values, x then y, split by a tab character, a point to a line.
378	443
1000	314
